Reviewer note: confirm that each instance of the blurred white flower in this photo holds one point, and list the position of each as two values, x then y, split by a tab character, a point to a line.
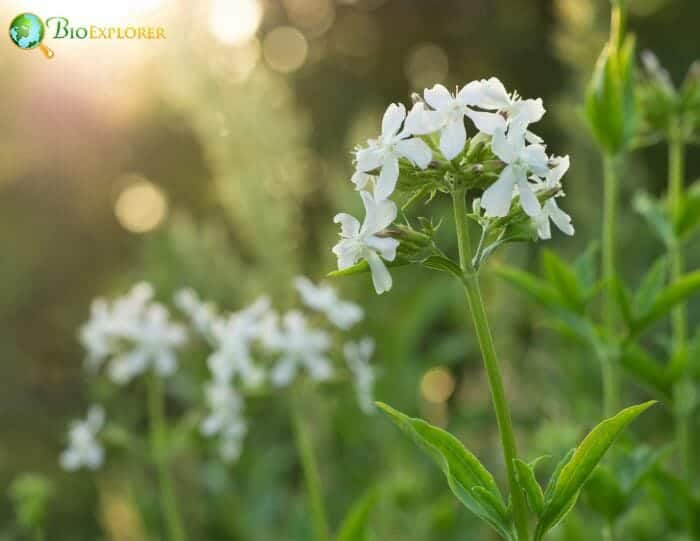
233	340
364	181
324	298
225	419
550	209
384	152
357	355
201	314
504	108
364	243
299	345
132	335
84	449
521	160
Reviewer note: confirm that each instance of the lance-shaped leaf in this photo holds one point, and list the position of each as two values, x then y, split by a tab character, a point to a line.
670	296
564	279
562	495
356	522
468	479
528	482
538	289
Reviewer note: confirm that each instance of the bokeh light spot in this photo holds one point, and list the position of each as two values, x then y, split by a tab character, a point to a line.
426	64
285	49
234	22
437	385
141	206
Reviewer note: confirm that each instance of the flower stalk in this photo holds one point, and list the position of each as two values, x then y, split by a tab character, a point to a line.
159	434
679	323
312	477
491	363
611	390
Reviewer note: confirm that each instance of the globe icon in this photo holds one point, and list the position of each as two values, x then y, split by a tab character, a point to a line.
26	31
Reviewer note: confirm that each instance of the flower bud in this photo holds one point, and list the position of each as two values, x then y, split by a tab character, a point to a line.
610	102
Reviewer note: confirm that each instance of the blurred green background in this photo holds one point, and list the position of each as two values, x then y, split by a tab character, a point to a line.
216	159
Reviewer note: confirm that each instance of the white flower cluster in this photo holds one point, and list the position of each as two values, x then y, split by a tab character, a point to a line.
131	335
84	449
257	346
502	118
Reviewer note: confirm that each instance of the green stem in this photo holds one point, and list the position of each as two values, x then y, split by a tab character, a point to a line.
679	322
491	363
312	477
611	385
158	434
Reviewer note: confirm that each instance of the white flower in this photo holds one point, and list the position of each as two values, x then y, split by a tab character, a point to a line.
233	340
447	116
364	181
363	243
520	160
357	356
202	314
225	419
132	335
384	152
299	345
84	450
323	298
550	209
507	108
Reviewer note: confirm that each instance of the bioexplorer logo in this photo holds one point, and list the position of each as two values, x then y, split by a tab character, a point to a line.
28	31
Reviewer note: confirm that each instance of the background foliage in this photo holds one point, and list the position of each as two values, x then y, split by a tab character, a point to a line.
253	164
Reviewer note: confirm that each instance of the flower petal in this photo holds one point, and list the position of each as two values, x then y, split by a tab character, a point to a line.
528	111
497	198
560	218
349	225
415	150
380	274
393	117
544	231
421	121
502	148
536	159
387	178
348	252
487	122
369	158
453	138
528	199
487	94
361	179
385	246
379	214
438	97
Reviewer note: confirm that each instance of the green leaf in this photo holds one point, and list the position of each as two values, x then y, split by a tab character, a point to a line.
470	482
443	264
538	289
363	267
655	214
571	478
622	298
528	482
647	370
564	280
355	524
555	475
585	267
604	494
673	294
689	217
651	285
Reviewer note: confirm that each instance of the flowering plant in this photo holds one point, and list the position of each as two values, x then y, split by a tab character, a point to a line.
511	186
251	353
